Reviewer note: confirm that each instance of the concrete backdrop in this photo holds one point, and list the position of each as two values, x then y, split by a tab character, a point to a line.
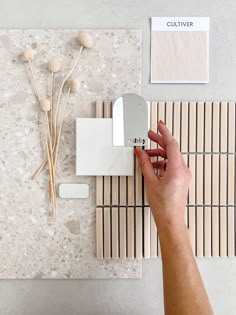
144	296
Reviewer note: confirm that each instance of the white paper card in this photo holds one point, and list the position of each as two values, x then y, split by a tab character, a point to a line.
95	154
180	50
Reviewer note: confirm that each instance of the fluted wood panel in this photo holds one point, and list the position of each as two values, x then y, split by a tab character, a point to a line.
205	132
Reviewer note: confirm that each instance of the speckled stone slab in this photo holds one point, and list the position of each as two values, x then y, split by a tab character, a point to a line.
29	246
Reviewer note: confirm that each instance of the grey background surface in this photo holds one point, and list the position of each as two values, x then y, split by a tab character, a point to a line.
130	296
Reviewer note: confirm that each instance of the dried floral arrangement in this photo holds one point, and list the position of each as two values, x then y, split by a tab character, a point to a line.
53	114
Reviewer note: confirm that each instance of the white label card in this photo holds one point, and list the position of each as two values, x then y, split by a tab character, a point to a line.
180	24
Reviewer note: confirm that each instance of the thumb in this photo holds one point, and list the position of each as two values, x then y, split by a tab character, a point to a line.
146	165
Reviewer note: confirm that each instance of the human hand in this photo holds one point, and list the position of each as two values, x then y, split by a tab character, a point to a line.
166	192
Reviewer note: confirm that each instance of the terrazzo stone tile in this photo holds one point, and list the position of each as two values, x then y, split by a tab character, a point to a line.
29	246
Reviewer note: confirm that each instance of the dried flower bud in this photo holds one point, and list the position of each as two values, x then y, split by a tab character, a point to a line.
85	40
54	65
74	85
45	105
27	55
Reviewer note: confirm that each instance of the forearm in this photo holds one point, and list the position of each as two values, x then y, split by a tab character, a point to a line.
184	292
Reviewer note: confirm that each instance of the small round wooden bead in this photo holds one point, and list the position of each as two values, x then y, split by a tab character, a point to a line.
74	85
27	55
54	65
45	105
85	40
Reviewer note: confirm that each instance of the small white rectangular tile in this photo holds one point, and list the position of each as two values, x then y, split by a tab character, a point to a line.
73	191
95	154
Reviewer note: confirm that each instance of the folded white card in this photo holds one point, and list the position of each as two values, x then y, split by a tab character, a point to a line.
95	154
180	50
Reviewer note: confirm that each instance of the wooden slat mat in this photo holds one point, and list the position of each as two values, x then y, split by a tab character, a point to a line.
205	132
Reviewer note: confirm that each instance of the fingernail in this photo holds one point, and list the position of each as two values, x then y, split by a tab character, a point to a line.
162	122
138	152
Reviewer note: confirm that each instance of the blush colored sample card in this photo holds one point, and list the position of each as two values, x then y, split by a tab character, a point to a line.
95	154
180	50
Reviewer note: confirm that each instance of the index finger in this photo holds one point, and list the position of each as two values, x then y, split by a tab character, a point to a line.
172	149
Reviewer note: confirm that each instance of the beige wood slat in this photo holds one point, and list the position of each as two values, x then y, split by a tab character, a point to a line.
138	184
184	127
215	179
207	179
215	231
231	179
192	227
130	236
115	245
115	236
107	233
184	139
191	210
138	212
223	232
107	199
123	243
200	126
99	179
139	233
223	179
199	210
130	224
192	183
200	218
199	159
192	162
186	208
169	112
223	201
123	191
232	130
216	126
99	233
207	231
99	199
161	111
146	234
153	145
223	127
208	126
176	127
130	190
107	219
147	217
231	232
192	127
200	177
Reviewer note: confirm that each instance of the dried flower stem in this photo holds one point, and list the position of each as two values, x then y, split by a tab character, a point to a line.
52	109
41	167
60	93
34	81
52	192
60	129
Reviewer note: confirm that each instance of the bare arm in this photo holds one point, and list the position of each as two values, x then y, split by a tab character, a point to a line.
184	292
